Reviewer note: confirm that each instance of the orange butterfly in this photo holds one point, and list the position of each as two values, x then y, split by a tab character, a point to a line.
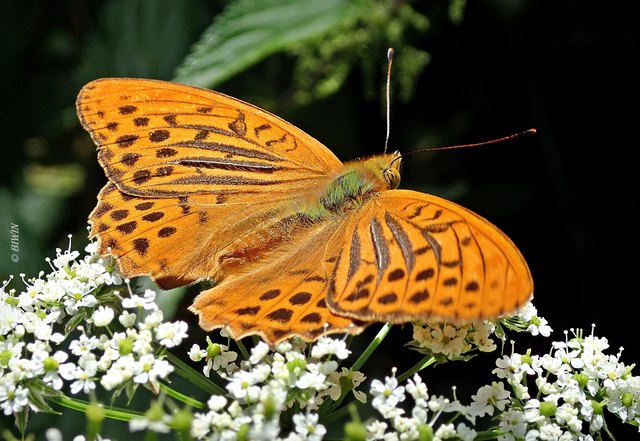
203	186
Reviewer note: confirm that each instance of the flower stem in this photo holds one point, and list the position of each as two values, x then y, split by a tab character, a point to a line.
194	377
425	362
487	435
242	348
181	397
341	413
372	347
111	412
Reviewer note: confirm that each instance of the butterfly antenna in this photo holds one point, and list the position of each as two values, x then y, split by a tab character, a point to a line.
475	144
390	53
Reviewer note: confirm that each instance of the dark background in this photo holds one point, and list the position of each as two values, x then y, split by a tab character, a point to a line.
567	196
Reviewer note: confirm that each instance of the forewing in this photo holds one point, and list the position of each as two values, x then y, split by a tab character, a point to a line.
161	139
407	256
212	169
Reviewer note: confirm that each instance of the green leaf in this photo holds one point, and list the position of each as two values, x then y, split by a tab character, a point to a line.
74	322
250	30
21	420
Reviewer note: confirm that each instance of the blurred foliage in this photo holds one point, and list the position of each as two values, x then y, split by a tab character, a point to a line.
142	38
248	31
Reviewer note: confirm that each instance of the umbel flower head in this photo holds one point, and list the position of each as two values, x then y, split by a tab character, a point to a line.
80	329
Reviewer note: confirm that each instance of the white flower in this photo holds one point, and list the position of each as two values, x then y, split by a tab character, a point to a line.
330	346
487	398
53	434
532	412
79	297
152	320
537	325
142	340
448	340
218	357
146	302
513	368
13	397
121	370
201	425
312	378
242	386
550	432
258	352
127	319
567	415
334	383
154	423
148	369
552	364
197	354
466	433
417	388
103	316
171	334
387	393
445	431
217	402
307	426
63	259
481	336
51	365
83	374
83	344
376	430
594	418
513	422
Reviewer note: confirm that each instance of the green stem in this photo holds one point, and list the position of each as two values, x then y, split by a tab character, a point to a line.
606	429
194	377
181	397
488	434
426	361
331	406
372	347
114	413
341	413
243	349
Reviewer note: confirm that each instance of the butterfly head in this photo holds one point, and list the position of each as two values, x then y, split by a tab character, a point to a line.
391	172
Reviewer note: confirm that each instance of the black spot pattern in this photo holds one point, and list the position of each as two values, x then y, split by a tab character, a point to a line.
141	245
282	315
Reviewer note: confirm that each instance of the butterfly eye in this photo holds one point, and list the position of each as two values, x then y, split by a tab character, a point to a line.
392	176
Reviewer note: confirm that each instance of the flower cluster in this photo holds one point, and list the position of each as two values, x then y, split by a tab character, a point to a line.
447	341
425	414
572	388
272	389
74	305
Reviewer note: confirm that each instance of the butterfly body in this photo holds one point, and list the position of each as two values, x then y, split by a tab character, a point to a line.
206	187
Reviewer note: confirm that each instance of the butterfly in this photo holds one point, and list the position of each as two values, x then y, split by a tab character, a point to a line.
203	186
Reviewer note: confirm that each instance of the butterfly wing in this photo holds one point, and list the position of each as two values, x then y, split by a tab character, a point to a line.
406	256
162	139
211	168
284	297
